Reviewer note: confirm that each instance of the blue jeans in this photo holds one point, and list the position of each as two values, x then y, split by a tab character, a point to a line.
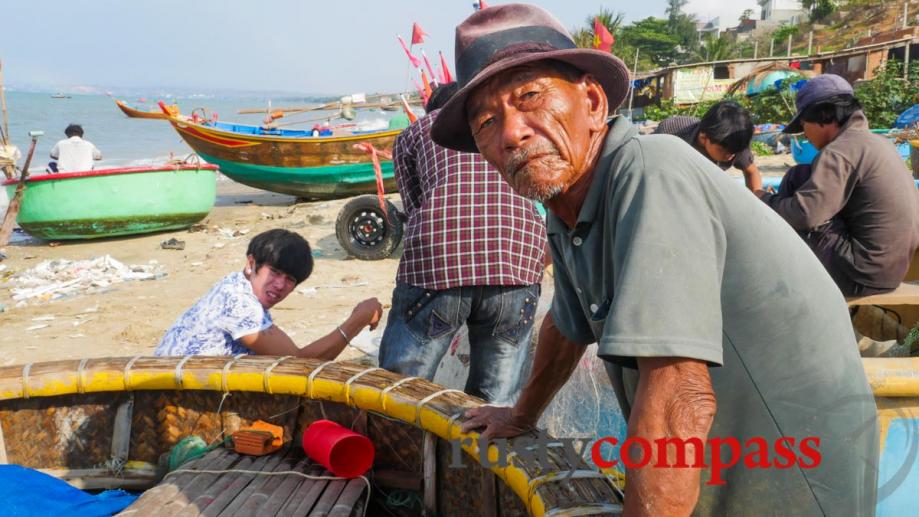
423	322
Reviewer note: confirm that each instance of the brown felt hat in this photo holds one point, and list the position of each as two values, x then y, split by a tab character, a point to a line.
497	38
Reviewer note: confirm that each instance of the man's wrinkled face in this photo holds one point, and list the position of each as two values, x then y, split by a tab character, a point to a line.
535	126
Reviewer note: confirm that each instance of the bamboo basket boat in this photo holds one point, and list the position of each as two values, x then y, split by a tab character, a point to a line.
105	423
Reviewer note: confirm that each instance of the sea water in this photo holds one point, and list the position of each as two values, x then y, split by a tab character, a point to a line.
128	141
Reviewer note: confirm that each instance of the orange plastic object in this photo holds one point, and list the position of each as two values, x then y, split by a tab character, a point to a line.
276	431
253	443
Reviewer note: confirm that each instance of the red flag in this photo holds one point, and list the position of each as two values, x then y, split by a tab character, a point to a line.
408	53
418	34
427	65
482	5
603	40
448	78
420	90
427	85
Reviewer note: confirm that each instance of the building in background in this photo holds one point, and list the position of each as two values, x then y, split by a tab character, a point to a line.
783	11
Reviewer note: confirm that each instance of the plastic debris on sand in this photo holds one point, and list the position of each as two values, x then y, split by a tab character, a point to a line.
55	279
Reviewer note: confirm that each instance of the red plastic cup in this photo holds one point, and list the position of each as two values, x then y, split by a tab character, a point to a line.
340	450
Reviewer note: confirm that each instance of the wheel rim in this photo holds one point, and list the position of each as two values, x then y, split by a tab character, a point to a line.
367	228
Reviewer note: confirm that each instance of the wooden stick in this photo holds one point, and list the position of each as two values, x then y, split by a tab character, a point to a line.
6	120
13	209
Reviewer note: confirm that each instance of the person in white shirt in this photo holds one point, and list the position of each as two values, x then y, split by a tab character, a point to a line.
73	153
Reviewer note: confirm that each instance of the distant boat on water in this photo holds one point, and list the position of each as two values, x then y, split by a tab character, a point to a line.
59	95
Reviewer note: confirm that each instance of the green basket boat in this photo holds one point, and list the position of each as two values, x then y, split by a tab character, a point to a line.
114	202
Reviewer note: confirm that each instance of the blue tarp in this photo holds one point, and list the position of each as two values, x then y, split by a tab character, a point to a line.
28	492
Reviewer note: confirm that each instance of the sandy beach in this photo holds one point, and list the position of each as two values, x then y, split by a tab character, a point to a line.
129	318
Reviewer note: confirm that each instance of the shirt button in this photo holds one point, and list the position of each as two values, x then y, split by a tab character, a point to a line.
594	307
577	241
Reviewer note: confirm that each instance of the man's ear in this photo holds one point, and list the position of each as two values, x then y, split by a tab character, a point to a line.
597	103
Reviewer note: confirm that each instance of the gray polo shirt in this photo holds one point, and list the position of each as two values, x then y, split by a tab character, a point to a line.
671	258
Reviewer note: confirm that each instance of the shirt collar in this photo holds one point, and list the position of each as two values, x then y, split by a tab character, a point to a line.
620	131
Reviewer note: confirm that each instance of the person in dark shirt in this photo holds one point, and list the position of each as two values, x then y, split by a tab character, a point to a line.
722	135
856	205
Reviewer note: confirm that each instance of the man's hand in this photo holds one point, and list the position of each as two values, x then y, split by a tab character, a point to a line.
499	422
368	312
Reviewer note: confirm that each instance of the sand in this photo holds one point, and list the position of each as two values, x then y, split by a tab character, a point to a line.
130	318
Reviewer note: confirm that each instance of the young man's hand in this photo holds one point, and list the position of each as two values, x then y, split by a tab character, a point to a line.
368	312
499	422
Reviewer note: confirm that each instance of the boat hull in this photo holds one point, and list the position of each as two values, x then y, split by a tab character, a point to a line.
136	113
307	167
115	202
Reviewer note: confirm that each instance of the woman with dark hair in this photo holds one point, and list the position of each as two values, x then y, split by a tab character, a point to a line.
232	318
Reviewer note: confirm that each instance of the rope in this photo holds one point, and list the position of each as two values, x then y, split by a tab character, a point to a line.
267	376
178	375
80	372
127	370
387	389
312	377
226	371
420	405
537	482
352	379
279	473
25	380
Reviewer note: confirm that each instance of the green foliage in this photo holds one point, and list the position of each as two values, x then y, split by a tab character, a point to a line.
584	37
760	148
653	39
888	94
819	9
747	14
771	106
781	34
716	48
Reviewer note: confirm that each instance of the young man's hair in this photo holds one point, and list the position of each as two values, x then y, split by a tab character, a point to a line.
441	95
729	125
74	130
283	250
837	108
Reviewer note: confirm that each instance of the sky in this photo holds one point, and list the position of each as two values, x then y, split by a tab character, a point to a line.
298	46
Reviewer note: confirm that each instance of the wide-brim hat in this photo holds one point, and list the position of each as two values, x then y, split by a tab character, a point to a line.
814	91
497	38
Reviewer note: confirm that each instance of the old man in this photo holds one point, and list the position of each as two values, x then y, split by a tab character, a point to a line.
715	320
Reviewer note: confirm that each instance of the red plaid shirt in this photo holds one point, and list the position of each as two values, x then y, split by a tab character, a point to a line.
465	225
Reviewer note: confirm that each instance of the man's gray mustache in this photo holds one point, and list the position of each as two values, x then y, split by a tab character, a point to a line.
521	156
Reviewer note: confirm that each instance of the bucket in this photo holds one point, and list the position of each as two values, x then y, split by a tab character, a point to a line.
340	450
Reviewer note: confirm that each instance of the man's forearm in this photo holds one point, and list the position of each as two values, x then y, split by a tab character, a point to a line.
555	360
674	400
753	178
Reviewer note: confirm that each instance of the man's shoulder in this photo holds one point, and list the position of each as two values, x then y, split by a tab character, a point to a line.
676	125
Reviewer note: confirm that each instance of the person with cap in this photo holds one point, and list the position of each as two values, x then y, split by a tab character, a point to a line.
722	135
856	205
473	254
664	263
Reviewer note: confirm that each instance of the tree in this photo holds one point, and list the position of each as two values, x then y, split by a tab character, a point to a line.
716	48
683	27
819	8
653	38
747	14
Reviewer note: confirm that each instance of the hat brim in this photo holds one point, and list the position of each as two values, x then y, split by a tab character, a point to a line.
451	129
794	126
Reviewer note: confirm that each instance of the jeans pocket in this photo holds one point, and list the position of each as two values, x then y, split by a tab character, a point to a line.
428	314
518	310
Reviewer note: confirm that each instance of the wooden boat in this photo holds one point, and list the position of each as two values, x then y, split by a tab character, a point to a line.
111	202
290	161
59	96
138	113
104	423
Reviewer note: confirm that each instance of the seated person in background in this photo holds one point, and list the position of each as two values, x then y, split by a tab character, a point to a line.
722	135
232	318
856	206
73	153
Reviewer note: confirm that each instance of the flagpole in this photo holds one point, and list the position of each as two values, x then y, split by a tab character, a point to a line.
632	86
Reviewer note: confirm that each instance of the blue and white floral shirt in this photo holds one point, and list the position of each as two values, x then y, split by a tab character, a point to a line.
214	324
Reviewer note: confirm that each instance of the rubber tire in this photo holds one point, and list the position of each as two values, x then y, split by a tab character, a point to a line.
391	230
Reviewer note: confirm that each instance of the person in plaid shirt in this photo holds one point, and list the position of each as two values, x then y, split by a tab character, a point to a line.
473	253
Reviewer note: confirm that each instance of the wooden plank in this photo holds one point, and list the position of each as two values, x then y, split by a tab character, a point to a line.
906	294
489	495
226	497
279	496
205	487
401	479
121	435
302	501
429	467
329	496
259	491
351	501
152	501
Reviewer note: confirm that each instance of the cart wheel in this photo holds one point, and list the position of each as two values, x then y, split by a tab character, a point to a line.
363	230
